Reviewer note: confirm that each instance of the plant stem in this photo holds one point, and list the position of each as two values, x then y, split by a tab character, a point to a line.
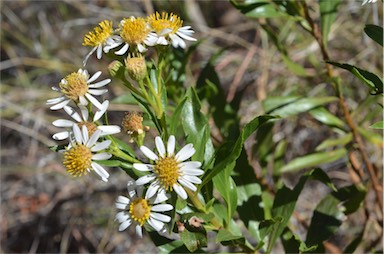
316	33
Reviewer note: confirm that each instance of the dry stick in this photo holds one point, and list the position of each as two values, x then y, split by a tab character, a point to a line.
316	33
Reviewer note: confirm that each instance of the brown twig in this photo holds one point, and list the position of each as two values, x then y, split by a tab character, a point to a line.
316	33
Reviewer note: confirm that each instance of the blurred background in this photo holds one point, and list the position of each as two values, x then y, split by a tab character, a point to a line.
45	210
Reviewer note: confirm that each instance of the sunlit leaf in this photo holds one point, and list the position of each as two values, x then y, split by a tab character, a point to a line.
378	125
371	80
328	13
325	117
342	141
312	160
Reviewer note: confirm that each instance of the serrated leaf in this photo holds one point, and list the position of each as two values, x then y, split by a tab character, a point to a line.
375	33
325	117
370	79
378	125
342	141
312	160
328	13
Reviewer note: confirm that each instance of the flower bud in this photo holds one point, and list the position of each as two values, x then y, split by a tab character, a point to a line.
133	125
116	69
135	64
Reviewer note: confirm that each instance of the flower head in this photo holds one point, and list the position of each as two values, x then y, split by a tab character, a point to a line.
83	119
168	28
169	171
133	125
78	87
82	153
102	38
134	32
138	210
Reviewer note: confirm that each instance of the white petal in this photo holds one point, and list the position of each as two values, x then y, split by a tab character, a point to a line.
94	77
185	153
185	36
88	55
192	179
109	129
192	171
100	170
97	91
70	111
152	189
190	165
121	216
187	184
132	187
125	225
141	48
139	231
100	84
62	123
101	146
165	31
93	100
147	152
61	135
60	105
101	112
84	113
92	140
180	191
143	167
162	41
162	208
160	217
161	196
83	101
145	179
160	146
171	145
101	156
122	50
99	52
123	200
85	133
56	100
157	225
77	133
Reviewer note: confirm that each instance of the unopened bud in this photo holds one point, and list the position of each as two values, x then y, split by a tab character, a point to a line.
136	67
116	69
133	125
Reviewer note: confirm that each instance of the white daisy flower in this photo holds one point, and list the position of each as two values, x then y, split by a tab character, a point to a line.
102	38
78	87
138	210
168	28
169	171
92	126
82	153
135	32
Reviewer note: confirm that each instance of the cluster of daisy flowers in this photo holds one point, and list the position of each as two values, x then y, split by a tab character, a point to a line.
88	138
135	34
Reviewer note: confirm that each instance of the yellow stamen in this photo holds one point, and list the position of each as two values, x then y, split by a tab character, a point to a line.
140	210
99	34
134	30
74	86
168	171
160	22
78	159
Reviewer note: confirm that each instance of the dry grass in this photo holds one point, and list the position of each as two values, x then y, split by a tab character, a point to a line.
45	210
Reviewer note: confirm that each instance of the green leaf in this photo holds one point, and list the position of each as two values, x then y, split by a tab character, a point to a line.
227	188
194	240
257	9
285	202
325	117
371	80
312	160
175	120
375	32
225	235
296	68
328	13
378	125
196	127
302	105
342	141
371	136
232	151
293	244
272	103
110	163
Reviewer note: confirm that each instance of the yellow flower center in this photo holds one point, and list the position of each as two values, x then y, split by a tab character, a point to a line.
91	127
99	34
134	30
75	85
160	22
78	159
168	171
140	210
